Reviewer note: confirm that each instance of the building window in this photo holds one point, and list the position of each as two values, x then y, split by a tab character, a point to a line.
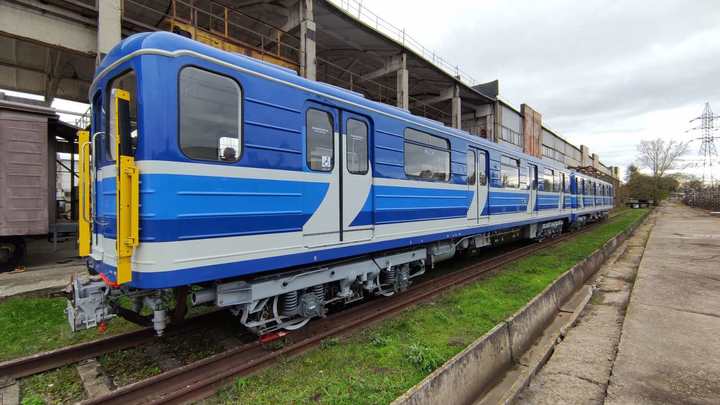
426	156
210	116
320	140
357	146
510	172
510	136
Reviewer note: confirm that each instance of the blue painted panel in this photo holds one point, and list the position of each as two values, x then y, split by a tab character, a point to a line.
180	207
501	202
214	272
402	204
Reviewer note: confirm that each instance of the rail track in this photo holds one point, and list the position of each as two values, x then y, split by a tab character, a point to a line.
202	378
37	363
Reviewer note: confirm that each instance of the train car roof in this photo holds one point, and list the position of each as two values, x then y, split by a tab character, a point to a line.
169	44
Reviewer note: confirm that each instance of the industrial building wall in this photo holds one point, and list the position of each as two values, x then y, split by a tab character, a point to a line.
23	173
511	131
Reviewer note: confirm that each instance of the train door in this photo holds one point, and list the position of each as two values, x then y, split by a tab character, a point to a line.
356	179
322	147
532	202
477	181
561	189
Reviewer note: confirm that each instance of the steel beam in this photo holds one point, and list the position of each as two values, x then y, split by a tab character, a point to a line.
392	65
36	24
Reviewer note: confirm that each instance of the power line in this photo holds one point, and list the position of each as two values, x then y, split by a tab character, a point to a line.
708	150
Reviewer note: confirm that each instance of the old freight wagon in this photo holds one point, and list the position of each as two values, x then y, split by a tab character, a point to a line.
27	174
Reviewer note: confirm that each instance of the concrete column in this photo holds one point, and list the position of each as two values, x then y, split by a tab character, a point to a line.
109	26
497	124
595	161
308	59
456	108
403	85
584	156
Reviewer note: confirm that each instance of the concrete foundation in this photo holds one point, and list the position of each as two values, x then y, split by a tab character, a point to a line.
471	374
670	342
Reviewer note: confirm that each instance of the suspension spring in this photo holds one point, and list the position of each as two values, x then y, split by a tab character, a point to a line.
388	276
289	303
319	291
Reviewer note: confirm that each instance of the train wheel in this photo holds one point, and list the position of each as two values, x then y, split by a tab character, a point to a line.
12	252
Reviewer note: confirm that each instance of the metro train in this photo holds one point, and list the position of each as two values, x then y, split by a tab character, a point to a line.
250	188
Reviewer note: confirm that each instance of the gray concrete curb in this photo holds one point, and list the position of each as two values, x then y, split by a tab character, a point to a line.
473	371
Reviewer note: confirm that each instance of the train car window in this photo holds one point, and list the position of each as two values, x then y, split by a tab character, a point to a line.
470	161
548	180
510	172
566	182
426	156
557	183
357	146
320	140
482	171
127	82
210	116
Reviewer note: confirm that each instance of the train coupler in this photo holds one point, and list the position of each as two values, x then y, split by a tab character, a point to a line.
88	305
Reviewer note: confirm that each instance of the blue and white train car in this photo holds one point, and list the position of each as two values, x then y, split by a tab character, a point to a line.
275	196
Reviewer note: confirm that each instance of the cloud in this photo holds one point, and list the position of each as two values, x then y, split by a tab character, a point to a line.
603	73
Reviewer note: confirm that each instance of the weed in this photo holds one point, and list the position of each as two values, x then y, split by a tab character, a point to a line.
377	339
58	386
424	358
327	343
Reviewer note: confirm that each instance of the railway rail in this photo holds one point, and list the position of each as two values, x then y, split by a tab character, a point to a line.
40	362
200	379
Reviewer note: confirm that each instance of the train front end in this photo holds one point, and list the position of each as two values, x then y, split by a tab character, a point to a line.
109	196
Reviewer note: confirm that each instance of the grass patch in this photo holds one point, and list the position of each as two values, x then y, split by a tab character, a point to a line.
60	386
377	365
31	325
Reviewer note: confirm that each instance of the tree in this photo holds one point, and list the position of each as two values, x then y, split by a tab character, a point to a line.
660	157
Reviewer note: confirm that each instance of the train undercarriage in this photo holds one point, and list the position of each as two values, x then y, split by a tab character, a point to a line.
289	300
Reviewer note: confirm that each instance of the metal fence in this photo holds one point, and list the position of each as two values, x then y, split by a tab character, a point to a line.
708	198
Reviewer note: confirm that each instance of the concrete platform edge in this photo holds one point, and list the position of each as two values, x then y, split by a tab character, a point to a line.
470	373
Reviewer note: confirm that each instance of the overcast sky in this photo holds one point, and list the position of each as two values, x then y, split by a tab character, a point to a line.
602	73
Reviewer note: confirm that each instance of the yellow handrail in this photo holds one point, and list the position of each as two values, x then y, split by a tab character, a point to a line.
84	191
128	187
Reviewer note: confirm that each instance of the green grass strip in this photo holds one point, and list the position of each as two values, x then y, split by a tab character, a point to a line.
379	364
31	325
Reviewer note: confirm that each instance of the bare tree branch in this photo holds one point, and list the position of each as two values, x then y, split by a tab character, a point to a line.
660	156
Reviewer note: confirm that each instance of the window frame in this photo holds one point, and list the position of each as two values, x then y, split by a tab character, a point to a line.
105	96
367	145
471	153
406	141
241	120
332	136
517	167
484	154
548	172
